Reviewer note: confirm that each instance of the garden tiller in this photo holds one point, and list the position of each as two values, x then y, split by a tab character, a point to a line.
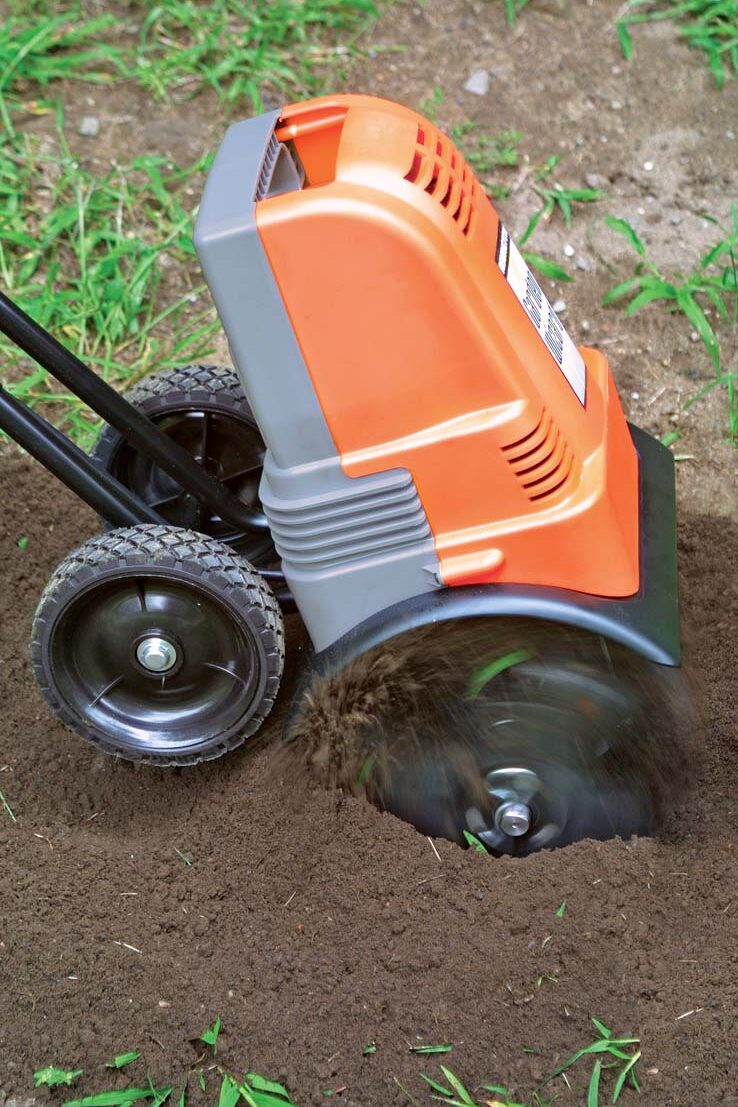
413	453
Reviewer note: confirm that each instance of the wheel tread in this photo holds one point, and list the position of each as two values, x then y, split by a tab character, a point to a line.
184	551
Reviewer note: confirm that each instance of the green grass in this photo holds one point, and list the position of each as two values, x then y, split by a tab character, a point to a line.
707	25
513	9
614	1060
711	285
487	154
554	197
7	808
104	260
492	156
41	51
242	49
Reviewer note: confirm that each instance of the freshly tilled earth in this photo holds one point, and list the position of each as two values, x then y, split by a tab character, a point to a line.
308	922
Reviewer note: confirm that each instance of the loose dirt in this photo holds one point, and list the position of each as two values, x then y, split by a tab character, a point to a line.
312	924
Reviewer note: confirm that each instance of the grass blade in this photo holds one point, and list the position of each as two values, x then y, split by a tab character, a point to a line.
593	1090
627	1070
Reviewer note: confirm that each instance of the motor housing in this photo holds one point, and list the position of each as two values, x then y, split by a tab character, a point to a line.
429	422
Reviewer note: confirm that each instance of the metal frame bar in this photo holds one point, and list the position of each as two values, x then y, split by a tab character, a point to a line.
142	434
93	484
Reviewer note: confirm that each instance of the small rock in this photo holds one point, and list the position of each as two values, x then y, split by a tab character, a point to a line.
675	220
648	166
568	250
584	264
616	70
585	325
478	82
164	1003
616	105
652	1072
635	395
694	337
90	126
595	180
559	306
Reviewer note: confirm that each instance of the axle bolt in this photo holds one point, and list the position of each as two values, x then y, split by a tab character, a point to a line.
157	655
513	818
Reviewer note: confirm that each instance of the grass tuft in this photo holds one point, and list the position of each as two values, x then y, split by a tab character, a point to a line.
707	25
242	49
513	9
555	198
487	154
711	286
103	259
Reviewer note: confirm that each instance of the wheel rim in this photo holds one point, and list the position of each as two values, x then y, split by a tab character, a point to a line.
228	446
97	658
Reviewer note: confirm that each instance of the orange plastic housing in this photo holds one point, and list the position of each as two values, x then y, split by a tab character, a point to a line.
423	357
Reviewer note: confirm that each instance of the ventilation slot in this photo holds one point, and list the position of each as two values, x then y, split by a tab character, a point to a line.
279	172
439	169
542	460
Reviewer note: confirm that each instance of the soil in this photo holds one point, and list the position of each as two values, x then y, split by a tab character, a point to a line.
310	923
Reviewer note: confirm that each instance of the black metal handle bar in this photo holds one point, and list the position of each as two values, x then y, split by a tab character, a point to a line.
92	483
142	434
95	485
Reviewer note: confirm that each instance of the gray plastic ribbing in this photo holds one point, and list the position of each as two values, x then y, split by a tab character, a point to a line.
349	547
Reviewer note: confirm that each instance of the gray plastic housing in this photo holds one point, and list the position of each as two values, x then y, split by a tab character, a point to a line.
350	547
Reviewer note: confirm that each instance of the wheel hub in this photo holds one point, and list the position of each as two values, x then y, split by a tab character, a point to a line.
513	818
156	654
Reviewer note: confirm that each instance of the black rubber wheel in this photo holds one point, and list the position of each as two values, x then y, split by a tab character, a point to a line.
159	645
204	409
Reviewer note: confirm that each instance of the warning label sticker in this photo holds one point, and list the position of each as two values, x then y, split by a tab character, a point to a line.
541	314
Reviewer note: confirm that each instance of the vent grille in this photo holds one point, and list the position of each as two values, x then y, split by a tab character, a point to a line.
335	531
267	167
541	460
439	169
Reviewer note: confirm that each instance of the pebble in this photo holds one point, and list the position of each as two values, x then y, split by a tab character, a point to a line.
616	105
595	180
648	166
635	395
616	70
164	1003
675	220
90	126
568	250
584	264
585	325
478	82
559	306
